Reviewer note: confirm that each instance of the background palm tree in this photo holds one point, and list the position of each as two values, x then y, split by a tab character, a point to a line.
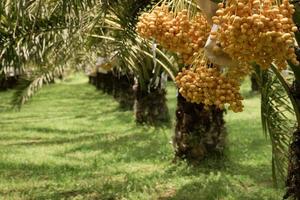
135	56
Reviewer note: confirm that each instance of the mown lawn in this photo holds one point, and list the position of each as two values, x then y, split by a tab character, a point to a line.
73	142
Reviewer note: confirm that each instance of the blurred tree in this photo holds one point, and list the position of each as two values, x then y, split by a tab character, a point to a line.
134	56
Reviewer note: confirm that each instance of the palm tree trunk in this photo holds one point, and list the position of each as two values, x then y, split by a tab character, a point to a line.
293	178
98	80
123	91
8	82
199	132
150	106
93	79
254	83
119	86
104	82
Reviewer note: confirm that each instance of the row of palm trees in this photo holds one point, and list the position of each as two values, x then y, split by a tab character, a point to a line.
43	38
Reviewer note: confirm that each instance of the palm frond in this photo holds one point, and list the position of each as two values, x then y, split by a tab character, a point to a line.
29	28
29	87
115	29
278	120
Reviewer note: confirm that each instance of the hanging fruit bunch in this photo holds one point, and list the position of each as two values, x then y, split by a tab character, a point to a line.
260	31
205	84
175	32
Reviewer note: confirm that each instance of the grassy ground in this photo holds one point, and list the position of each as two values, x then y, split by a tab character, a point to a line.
72	142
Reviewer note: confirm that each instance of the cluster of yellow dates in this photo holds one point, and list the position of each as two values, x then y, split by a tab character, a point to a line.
177	33
249	31
259	31
209	87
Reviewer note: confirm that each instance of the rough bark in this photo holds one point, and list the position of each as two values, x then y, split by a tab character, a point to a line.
8	82
120	86
92	79
150	106
100	81
293	178
199	132
254	83
123	91
103	81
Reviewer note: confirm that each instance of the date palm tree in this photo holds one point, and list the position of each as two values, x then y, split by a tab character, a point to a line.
116	23
199	133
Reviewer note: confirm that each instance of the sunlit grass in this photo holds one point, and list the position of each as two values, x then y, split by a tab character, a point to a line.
73	142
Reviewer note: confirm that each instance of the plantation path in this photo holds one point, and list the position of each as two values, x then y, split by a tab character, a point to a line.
72	142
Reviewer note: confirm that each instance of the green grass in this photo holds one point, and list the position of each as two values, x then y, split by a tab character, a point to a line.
72	142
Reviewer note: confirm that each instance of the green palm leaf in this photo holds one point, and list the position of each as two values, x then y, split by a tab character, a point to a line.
278	119
28	87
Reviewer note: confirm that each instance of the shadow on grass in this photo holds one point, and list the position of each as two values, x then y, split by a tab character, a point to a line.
215	185
47	130
40	141
62	136
26	170
105	190
6	108
57	141
212	190
127	146
138	143
215	188
225	165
